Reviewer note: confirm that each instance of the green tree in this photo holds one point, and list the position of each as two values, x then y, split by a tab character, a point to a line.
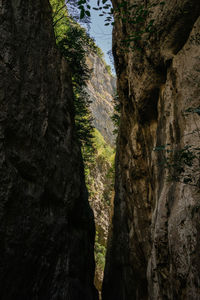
73	43
183	164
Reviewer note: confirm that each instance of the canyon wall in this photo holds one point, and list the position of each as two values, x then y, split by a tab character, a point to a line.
154	248
47	228
101	88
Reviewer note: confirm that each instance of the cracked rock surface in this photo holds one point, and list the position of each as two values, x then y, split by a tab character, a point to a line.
154	250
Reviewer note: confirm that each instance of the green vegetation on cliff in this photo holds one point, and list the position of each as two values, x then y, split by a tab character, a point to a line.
103	149
73	42
100	182
100	252
104	158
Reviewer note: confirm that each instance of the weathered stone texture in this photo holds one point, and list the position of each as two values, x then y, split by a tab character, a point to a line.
101	200
46	225
101	88
154	251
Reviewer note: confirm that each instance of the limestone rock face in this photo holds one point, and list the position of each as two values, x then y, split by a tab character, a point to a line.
47	229
101	202
101	88
154	250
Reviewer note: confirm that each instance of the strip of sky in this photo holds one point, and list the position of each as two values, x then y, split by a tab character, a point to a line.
101	33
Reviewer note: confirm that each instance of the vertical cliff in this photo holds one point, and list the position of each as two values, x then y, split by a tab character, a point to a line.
101	88
101	189
47	229
154	251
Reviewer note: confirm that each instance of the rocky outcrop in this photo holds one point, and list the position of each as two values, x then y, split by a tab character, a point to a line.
154	251
47	229
101	88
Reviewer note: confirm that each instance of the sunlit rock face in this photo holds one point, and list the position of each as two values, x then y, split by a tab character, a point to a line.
101	201
101	88
47	229
154	250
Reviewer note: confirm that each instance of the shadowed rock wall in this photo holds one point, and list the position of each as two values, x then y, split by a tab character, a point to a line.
46	225
154	251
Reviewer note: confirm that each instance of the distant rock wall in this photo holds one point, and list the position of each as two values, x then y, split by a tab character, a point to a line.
154	251
101	202
47	228
101	88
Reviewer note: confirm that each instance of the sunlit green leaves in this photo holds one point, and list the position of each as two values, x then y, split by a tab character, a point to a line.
73	42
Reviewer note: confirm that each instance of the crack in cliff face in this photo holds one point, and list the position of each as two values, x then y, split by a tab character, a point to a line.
100	174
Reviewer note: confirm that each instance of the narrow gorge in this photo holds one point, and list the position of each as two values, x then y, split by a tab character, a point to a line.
100	178
60	210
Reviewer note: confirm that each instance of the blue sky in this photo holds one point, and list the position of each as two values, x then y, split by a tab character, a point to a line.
101	33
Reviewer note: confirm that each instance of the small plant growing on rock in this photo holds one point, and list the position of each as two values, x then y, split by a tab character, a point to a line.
183	164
